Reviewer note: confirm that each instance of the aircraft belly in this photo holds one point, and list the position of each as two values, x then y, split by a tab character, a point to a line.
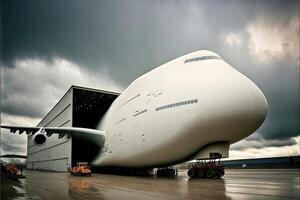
172	144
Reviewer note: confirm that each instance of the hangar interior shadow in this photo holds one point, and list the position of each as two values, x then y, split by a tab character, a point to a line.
88	109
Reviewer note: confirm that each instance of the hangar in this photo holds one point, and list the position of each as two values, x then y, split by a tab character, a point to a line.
79	107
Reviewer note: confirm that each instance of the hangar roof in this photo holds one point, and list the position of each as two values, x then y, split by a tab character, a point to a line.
83	89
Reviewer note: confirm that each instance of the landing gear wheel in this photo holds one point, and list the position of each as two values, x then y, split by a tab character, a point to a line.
172	172
209	173
206	169
169	171
222	173
201	174
192	173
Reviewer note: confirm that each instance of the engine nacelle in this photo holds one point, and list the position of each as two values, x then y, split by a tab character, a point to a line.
39	139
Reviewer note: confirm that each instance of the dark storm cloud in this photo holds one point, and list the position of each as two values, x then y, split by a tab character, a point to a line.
280	84
12	145
33	87
128	38
257	141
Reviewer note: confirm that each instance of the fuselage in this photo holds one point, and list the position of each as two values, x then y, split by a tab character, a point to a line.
171	112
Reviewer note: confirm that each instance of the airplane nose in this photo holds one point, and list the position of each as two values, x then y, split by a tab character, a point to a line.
241	117
259	102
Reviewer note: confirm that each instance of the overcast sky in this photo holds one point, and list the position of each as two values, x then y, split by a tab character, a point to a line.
47	46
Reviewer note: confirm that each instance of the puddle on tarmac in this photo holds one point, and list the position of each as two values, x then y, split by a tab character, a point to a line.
14	189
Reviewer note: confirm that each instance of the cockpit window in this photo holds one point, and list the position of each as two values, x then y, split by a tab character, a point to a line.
201	58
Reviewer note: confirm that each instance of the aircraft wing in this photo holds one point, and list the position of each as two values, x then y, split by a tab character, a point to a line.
90	135
21	129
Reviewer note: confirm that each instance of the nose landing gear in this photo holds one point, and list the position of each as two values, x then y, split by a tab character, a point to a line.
206	169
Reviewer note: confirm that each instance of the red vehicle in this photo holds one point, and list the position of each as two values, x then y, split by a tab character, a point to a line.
82	169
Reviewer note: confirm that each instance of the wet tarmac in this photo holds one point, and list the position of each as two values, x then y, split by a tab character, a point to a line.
236	184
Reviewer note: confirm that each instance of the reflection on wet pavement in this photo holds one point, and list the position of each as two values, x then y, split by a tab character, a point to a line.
236	184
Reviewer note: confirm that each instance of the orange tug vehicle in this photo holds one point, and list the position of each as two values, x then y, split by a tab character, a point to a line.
82	169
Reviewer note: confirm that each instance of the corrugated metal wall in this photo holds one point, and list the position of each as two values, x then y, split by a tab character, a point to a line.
55	154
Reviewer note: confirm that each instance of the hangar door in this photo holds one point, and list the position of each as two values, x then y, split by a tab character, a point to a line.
89	106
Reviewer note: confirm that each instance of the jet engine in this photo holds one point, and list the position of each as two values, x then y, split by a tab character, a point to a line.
39	139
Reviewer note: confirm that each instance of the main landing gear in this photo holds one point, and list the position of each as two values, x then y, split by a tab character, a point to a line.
166	172
206	169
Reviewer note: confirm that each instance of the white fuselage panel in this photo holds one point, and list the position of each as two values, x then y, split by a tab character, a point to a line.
170	113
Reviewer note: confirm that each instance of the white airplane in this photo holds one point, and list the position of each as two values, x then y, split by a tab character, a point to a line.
189	108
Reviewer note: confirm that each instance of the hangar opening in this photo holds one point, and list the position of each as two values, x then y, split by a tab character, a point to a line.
79	107
89	106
